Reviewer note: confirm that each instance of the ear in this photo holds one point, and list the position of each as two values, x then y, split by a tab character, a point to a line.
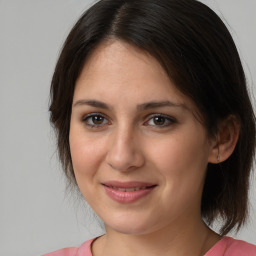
225	141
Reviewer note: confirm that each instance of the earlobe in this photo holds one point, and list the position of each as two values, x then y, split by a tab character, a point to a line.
226	140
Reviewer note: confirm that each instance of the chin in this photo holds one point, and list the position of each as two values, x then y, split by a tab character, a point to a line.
129	230
130	226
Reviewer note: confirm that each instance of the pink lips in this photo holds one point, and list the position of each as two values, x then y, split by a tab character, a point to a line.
127	192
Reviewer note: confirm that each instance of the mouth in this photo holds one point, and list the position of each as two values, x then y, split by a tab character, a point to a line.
127	192
129	189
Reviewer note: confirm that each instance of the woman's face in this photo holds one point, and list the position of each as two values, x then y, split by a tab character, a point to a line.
138	152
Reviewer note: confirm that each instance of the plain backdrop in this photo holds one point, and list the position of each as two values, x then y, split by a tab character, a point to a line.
36	216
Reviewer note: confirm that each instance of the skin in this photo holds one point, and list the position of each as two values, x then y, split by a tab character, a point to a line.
124	142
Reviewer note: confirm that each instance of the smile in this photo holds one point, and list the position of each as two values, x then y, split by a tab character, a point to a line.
128	189
127	192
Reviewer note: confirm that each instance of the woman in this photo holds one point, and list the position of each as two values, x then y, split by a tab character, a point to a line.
155	128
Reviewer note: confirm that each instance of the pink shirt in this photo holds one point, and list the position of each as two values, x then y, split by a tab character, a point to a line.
227	246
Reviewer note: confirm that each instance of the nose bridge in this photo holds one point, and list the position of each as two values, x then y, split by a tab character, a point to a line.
124	150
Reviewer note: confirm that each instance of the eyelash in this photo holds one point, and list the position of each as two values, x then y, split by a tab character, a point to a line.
168	120
93	115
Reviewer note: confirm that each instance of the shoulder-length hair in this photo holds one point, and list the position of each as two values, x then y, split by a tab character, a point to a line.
198	53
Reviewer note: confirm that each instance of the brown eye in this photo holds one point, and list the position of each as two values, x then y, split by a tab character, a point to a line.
160	121
95	120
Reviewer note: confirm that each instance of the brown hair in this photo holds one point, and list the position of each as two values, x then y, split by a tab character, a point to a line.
199	55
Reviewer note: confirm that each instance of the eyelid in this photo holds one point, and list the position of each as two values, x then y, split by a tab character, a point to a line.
87	116
93	114
171	119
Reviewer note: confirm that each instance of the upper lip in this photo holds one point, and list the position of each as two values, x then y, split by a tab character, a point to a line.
129	184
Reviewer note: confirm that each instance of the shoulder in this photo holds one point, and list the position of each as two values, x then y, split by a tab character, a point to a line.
239	248
83	250
72	251
228	246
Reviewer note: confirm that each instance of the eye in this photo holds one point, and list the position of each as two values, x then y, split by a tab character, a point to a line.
160	120
95	120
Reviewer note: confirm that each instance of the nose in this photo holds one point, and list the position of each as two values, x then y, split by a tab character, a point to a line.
124	152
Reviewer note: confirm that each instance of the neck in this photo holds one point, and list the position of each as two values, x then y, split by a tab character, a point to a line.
192	239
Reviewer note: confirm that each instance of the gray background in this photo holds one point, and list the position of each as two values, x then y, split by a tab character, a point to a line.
36	216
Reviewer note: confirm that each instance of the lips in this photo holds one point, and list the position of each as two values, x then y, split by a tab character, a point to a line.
127	192
128	189
130	184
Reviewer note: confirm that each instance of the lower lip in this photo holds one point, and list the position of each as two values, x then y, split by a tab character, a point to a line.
127	197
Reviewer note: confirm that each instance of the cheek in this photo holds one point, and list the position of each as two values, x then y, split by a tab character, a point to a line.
86	153
182	159
182	164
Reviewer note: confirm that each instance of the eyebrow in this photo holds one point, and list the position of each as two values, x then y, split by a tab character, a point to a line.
93	103
141	107
159	104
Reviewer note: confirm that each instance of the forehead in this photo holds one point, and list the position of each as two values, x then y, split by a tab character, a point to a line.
121	59
116	68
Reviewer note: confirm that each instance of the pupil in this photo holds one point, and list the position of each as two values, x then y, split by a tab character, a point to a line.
97	119
159	120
